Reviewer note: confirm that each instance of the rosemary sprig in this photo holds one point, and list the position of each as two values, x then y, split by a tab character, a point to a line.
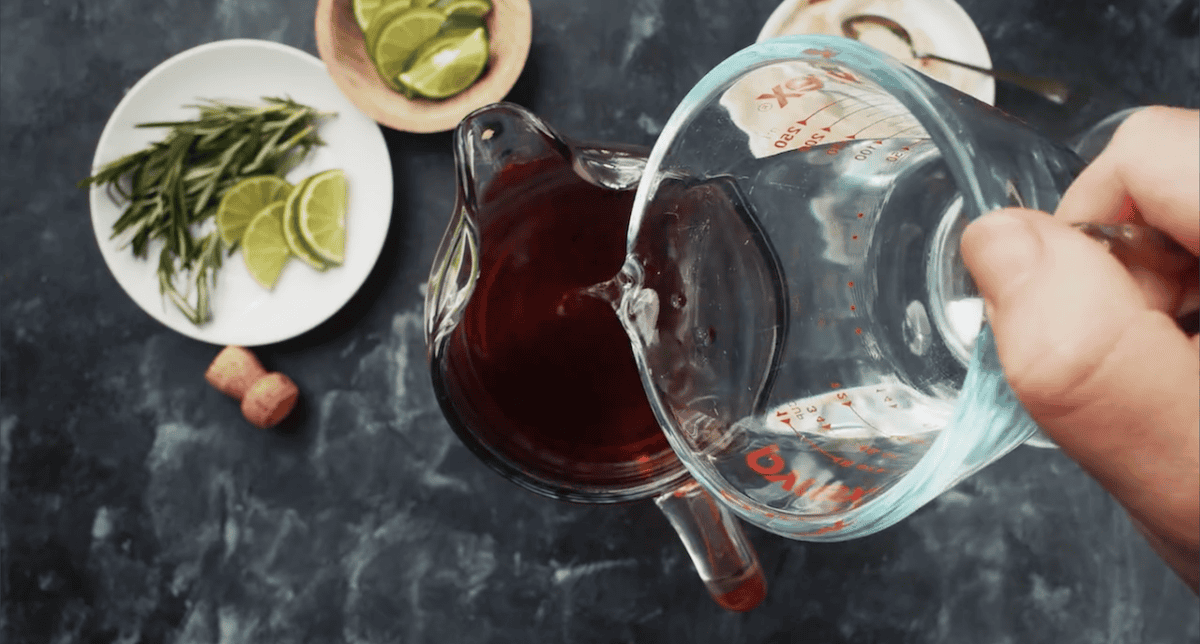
175	184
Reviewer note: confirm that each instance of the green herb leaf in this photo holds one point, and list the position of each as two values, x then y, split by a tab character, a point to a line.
176	183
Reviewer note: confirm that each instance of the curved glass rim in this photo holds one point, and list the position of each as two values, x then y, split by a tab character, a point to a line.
879	67
942	466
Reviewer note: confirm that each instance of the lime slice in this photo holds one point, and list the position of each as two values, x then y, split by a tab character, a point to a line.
244	200
321	215
364	10
461	25
291	229
476	8
263	246
401	36
447	65
387	12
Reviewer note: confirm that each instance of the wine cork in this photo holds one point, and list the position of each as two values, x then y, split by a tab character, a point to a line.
233	371
266	398
269	400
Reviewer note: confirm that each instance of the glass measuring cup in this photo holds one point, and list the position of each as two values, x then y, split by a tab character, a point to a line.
538	381
806	332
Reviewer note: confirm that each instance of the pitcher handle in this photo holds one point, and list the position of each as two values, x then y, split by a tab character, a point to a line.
727	563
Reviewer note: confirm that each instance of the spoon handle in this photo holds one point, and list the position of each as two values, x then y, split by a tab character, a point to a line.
1054	91
1136	244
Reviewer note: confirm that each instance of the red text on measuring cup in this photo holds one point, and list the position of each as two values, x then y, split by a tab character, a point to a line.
767	462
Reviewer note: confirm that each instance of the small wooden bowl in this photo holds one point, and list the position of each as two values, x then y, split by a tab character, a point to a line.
340	43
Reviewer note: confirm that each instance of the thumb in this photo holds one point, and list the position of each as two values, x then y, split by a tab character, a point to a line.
1113	381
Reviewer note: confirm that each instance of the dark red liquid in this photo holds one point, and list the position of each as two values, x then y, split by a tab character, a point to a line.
541	373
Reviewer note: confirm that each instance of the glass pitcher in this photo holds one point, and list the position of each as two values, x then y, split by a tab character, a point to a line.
534	373
806	331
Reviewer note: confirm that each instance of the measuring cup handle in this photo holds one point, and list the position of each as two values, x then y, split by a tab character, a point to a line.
719	548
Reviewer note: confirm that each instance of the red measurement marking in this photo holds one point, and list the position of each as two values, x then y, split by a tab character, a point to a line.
843	493
860	215
774	464
798	86
842	76
852	307
854	237
835	385
876	451
857	331
788	480
866	107
771	468
804	121
871	125
838	525
850	284
767	462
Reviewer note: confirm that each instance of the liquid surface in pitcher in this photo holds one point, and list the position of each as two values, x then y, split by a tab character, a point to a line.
544	372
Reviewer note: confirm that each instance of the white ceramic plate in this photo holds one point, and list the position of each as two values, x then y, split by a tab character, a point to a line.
937	26
245	71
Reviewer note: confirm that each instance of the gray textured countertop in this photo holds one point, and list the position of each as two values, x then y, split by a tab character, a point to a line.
140	507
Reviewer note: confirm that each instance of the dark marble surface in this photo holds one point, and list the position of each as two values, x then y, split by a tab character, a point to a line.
140	507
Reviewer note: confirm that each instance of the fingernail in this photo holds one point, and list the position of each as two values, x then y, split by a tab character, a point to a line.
1001	250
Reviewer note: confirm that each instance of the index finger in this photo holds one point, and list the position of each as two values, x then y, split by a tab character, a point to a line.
1149	172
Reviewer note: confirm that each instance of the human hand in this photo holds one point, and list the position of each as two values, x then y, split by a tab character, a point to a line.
1090	347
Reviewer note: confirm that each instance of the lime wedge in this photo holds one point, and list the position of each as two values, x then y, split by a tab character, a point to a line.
364	10
244	200
401	36
447	64
291	229
387	12
477	8
263	246
461	25
321	216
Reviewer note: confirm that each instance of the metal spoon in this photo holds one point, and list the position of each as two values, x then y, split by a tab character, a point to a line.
1141	245
1053	90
